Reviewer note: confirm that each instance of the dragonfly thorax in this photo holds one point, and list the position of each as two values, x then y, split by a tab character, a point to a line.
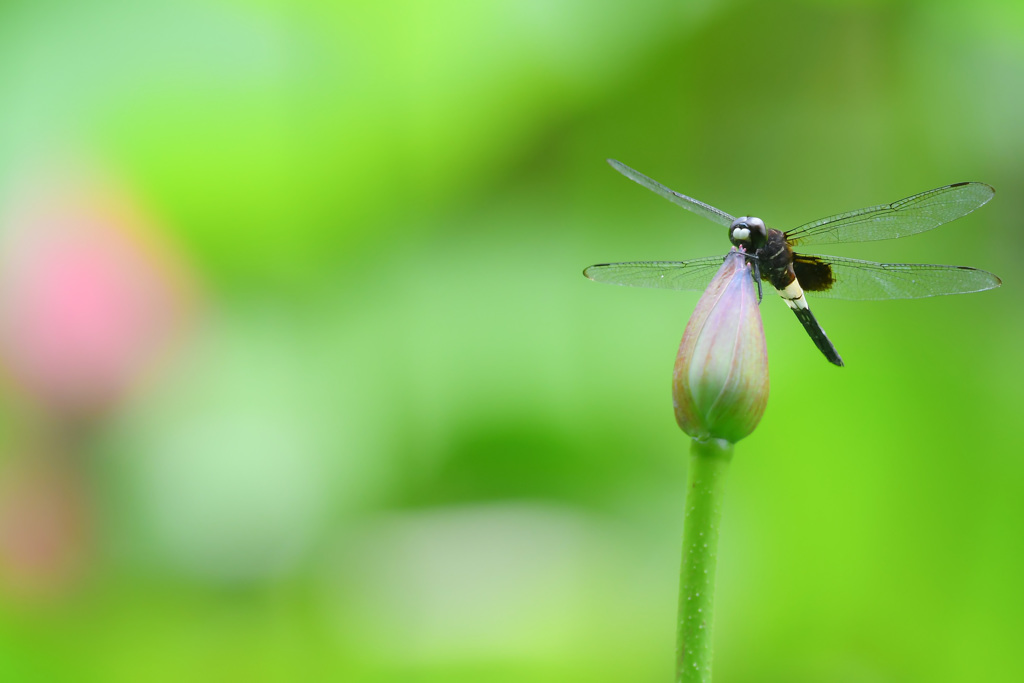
748	232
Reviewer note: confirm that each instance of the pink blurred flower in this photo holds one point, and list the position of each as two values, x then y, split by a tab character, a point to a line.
87	303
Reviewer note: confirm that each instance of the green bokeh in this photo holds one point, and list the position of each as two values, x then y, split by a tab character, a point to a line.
410	442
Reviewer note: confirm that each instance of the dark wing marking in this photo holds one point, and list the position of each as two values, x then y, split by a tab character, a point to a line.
813	273
906	217
688	203
694	274
843	278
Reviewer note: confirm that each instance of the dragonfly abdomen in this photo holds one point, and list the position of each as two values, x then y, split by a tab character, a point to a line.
817	334
776	258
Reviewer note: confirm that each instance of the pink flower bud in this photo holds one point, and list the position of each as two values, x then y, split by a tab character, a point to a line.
89	301
720	380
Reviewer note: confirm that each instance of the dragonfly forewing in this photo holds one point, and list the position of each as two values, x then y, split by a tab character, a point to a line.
909	216
689	203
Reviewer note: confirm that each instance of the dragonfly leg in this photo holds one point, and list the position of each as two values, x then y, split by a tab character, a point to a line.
756	274
757	278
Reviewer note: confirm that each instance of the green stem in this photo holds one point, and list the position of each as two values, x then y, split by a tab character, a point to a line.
709	464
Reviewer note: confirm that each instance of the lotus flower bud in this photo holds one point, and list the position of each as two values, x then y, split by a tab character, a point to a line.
89	301
720	380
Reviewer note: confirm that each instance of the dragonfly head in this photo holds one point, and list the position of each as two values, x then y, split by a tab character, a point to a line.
748	232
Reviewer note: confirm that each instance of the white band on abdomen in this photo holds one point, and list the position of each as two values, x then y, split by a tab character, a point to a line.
793	295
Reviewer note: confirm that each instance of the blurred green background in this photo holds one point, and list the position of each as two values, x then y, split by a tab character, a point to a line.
344	408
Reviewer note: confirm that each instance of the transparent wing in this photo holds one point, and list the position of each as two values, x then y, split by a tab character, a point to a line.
694	274
688	203
906	217
844	278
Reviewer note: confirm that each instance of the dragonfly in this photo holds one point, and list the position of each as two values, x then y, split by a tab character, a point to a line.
794	275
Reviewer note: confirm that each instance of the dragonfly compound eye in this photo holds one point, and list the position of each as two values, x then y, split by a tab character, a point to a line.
748	231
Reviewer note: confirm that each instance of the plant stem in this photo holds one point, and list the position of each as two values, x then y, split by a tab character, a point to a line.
709	464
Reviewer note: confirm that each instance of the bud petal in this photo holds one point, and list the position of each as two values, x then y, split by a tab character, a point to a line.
720	380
